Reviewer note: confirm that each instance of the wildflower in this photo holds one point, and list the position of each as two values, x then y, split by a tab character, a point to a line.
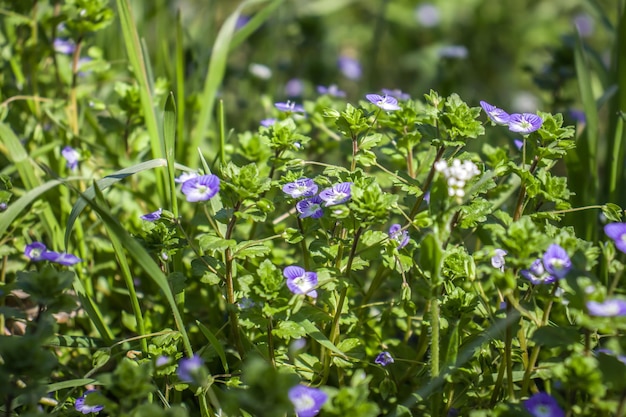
556	261
64	46
37	251
453	52
242	20
294	88
289	107
427	15
584	24
155	215
190	369
268	122
331	90
162	361
337	194
260	71
350	67
400	236
518	144
245	303
3	206
543	404
201	188
537	274
307	401
524	122
303	187
384	102
608	308
311	207
397	93
578	115
617	232
498	116
300	281
81	407
72	156
384	358
457	175
185	176
497	260
609	352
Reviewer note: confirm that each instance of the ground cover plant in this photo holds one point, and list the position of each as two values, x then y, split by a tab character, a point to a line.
188	231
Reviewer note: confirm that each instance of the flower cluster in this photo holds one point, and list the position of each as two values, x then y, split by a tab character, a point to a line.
457	175
517	122
300	281
37	251
307	401
554	265
312	205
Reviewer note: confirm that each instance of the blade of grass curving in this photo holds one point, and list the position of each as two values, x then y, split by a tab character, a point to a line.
76	342
169	136
105	183
215	75
219	349
319	337
253	24
72	383
180	87
93	311
617	161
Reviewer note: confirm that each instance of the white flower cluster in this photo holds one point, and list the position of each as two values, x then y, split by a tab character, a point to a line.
457	175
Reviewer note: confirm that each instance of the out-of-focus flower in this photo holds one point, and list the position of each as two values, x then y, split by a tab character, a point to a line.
497	115
617	232
242	20
201	188
396	93
608	308
537	274
584	25
34	251
303	187
307	401
290	107
387	103
151	217
311	207
556	261
185	176
191	369
518	143
384	359
300	281
294	88
497	260
609	352
268	122
453	52
3	206
331	90
337	194
427	15
457	175
72	156
260	71
543	404
400	236
81	407
64	46
162	361
578	115
350	67
524	122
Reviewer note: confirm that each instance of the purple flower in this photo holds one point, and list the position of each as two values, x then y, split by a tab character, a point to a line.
337	194
37	251
453	52
537	274
185	176
497	260
608	308
3	206
543	404
189	369
300	281
294	88
242	20
303	187
268	122
311	207
578	115
617	232
307	401
519	144
498	116
201	188
72	156
81	407
584	24
524	122
397	93
400	236
427	15
64	46
350	67
331	90
556	261
384	359
155	215
162	361
384	102
289	107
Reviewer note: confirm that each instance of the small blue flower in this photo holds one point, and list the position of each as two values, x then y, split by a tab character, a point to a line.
453	52
151	217
397	93
543	404
300	281
72	156
162	361
34	251
337	194
497	260
349	67
556	261
311	207
617	232
384	358
519	144
400	236
385	102
294	88
537	274
289	107
303	187
268	122
331	90
609	308
428	15
185	176
3	206
307	401
524	122
37	251
64	46
201	188
498	116
81	407
189	369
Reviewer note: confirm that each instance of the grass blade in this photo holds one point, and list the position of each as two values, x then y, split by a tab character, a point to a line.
215	343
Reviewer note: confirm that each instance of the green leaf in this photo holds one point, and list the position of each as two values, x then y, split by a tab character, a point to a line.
556	336
217	345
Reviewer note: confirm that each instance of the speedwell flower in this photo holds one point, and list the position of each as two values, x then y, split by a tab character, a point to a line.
497	260
543	404
185	176
617	232
81	407
201	188
300	281
400	236
556	261
311	207
151	217
537	274
337	194
385	102
397	93
72	156
37	251
189	369
303	187
498	116
384	358
524	122
331	90
307	401
608	308
64	46
268	122
290	107
349	67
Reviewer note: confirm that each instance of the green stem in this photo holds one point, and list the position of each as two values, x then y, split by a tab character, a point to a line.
508	355
434	349
305	252
426	185
230	286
